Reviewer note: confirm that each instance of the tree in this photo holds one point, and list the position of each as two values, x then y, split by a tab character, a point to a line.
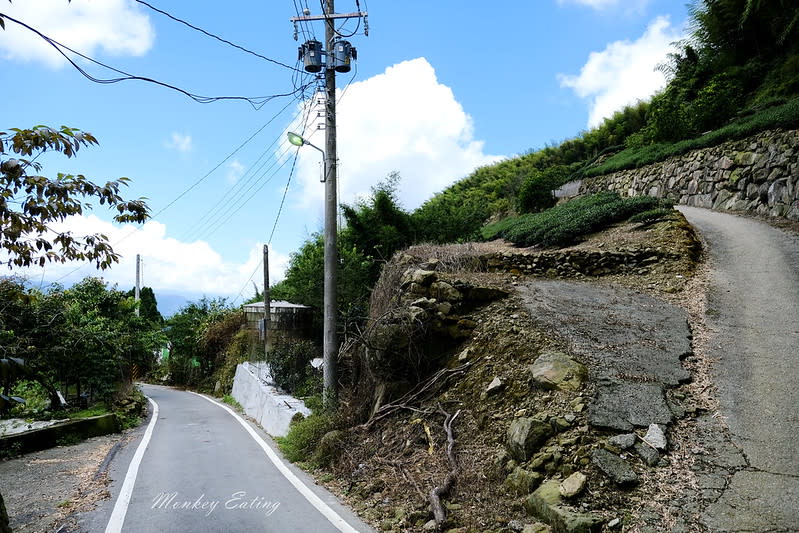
27	234
148	305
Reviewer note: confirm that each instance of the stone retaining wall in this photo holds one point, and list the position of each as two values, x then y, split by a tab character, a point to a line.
579	262
758	175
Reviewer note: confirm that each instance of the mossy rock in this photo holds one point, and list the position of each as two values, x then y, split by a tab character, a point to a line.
329	447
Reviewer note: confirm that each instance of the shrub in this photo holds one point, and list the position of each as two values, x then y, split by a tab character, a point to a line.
535	193
304	435
566	223
290	362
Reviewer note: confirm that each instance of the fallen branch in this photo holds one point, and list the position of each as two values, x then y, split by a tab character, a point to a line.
439	514
417	394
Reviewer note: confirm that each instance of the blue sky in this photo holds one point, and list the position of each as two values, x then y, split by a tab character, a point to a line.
439	89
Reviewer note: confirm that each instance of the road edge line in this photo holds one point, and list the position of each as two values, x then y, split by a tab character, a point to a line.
123	500
332	516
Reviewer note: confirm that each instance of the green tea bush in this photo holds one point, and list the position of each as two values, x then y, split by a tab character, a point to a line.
566	223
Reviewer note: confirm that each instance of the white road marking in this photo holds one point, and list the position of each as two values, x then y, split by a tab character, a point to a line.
123	500
332	516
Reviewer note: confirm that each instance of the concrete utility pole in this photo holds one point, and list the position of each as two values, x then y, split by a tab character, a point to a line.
267	302
329	344
137	291
339	53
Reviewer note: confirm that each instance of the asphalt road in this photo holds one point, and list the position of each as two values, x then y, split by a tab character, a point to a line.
204	470
753	313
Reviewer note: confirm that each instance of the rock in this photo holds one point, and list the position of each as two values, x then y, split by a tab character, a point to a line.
522	481
329	447
423	277
624	441
443	291
538	527
622	405
444	308
525	437
613	524
424	303
545	504
495	386
556	370
430	526
515	525
650	455
614	467
573	485
655	437
416	314
463	356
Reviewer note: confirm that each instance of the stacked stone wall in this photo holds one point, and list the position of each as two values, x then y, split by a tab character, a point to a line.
757	175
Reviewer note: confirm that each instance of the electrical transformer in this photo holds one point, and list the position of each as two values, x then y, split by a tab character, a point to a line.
311	55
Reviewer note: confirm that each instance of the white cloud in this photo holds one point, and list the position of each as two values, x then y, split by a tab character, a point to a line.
178	141
168	264
600	5
234	171
118	27
403	120
624	71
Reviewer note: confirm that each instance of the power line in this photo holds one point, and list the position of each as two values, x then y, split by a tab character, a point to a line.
256	102
213	36
191	187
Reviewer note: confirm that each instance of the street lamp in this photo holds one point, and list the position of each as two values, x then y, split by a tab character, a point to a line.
329	341
299	140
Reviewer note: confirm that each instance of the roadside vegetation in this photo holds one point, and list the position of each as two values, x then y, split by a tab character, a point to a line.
736	75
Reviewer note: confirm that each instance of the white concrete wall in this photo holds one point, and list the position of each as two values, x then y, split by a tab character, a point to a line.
261	400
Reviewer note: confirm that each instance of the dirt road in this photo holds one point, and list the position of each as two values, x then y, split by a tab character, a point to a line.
753	306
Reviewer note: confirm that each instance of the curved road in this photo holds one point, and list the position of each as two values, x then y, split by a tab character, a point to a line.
205	469
753	312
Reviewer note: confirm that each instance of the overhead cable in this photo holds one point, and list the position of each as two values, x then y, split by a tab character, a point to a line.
213	36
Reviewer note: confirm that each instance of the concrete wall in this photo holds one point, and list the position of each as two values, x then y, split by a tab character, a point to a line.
758	175
261	400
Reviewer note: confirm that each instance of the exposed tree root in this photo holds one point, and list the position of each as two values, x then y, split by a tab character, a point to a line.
439	514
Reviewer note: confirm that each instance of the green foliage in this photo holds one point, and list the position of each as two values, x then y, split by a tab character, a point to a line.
26	232
85	338
304	435
199	334
536	194
785	115
289	361
566	223
231	401
148	305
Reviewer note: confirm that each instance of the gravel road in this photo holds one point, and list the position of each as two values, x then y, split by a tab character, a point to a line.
752	310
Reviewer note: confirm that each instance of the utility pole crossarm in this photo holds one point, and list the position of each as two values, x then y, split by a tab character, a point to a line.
330	16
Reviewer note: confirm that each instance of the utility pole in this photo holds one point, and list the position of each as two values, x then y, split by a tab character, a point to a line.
137	291
267	303
329	344
339	53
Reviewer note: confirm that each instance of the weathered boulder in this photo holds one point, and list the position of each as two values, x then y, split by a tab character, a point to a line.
546	504
418	276
522	481
556	370
650	455
655	437
443	291
525	437
614	467
573	485
623	441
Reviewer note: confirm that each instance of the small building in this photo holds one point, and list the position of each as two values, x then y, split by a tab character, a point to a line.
286	319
